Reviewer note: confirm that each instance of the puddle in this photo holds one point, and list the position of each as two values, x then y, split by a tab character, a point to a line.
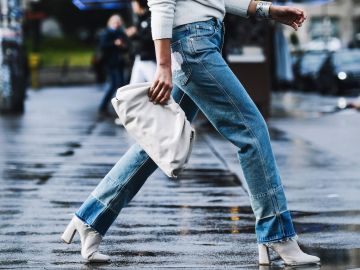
215	177
9	212
335	259
11	250
319	227
96	171
20	190
65	204
66	153
90	129
278	135
279	266
209	208
12	262
73	145
19	171
331	259
21	175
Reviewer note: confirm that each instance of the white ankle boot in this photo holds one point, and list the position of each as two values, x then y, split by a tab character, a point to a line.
289	252
90	240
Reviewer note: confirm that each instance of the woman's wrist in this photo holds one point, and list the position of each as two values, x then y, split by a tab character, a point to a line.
260	9
164	65
252	8
271	11
163	53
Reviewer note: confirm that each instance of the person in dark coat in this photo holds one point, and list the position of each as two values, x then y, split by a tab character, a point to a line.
145	59
114	45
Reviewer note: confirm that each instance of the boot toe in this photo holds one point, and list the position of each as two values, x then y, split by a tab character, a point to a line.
306	259
313	259
98	257
310	259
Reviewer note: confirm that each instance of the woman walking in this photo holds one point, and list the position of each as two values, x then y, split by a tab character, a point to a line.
197	77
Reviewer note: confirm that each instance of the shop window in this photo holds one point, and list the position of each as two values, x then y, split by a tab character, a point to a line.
321	27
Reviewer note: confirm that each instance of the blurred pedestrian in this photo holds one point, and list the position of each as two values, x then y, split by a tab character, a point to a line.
114	45
145	60
97	65
188	38
144	66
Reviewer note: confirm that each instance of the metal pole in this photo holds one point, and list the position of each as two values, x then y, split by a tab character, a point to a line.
12	58
4	13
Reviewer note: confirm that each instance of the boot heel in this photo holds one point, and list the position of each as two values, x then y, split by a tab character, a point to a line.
264	258
69	232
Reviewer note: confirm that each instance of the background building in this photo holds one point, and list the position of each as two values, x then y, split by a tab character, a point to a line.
336	22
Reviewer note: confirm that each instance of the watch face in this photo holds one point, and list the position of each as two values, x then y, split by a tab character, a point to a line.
144	24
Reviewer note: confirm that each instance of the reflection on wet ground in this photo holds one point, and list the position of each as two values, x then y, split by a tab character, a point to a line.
200	221
310	105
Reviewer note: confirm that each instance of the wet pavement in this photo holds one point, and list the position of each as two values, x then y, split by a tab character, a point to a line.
52	157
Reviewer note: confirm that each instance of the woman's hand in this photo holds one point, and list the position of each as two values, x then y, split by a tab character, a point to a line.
160	91
290	16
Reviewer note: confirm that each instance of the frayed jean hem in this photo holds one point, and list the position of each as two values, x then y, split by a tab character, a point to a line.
90	215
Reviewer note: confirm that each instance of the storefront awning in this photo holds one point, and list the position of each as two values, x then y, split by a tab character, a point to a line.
101	4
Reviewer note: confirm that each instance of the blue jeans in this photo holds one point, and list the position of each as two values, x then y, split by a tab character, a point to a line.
115	80
203	81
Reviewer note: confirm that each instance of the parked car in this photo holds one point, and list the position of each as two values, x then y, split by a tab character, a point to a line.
306	69
340	72
328	44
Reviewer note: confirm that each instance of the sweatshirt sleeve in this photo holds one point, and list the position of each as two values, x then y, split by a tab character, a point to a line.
162	18
238	7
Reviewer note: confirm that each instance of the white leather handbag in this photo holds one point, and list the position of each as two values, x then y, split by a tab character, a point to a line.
161	130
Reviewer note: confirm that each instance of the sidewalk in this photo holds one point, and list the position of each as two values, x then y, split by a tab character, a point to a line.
56	153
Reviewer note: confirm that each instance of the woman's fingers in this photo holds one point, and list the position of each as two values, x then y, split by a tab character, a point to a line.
300	12
300	21
162	85
151	90
164	94
160	92
294	25
155	91
165	98
300	18
294	17
160	95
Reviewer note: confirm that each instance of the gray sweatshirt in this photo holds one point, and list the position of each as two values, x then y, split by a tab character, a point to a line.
166	14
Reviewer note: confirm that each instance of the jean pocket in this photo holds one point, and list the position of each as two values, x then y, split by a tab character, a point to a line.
205	30
181	70
201	45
